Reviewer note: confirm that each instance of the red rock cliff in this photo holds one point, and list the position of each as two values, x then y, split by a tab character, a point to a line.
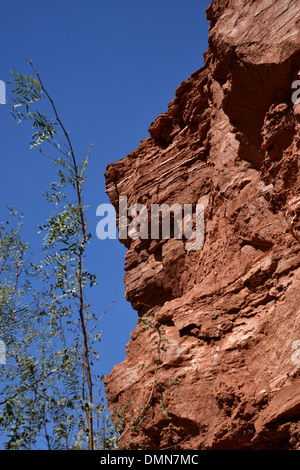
214	362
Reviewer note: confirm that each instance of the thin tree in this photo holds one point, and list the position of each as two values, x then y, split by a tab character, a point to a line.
63	269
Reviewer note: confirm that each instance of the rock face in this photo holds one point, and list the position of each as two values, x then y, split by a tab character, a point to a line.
214	362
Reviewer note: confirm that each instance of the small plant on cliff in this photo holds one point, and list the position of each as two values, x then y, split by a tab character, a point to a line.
147	321
133	419
163	407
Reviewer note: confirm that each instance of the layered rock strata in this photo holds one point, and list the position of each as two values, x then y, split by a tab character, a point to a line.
214	362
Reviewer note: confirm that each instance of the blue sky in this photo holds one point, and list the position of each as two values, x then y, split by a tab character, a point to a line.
111	67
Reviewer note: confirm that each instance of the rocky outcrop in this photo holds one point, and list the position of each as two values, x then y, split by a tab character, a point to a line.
214	362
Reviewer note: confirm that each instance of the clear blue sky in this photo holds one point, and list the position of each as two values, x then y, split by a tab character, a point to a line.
111	67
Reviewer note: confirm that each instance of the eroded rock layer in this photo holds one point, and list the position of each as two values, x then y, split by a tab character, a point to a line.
214	362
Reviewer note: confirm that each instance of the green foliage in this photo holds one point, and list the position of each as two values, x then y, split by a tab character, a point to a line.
135	419
163	407
147	321
49	383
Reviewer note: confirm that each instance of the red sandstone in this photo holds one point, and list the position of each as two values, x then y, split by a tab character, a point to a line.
216	363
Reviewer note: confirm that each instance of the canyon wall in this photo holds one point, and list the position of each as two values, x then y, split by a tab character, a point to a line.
214	362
